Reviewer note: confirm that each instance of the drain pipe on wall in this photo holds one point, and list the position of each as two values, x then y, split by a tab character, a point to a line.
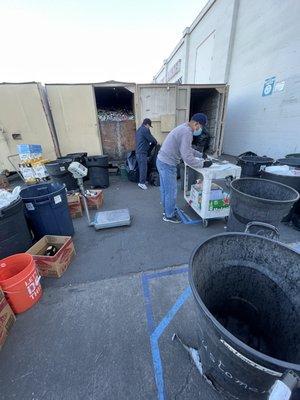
231	39
186	35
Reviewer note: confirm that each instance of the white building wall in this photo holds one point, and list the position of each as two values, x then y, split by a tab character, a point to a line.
215	26
267	44
160	77
250	41
208	38
173	68
176	65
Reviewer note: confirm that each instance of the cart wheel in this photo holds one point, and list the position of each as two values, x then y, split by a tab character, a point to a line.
226	219
6	173
205	223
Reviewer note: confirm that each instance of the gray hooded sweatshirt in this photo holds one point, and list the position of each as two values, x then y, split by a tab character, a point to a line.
178	145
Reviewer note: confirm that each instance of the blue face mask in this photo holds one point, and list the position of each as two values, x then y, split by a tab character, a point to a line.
197	132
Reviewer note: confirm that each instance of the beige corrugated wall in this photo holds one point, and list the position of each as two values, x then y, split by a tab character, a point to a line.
75	118
22	113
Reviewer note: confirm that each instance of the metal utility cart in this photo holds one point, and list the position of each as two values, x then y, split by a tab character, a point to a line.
221	173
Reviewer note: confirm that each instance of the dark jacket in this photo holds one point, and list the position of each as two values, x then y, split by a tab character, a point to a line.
201	142
143	138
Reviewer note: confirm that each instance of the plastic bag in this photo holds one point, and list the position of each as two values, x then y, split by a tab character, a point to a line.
6	198
280	170
132	168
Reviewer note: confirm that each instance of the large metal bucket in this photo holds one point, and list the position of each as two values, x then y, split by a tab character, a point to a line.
246	288
254	199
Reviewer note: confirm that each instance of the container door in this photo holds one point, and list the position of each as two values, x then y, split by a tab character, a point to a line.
4	152
157	102
75	118
182	104
23	120
221	121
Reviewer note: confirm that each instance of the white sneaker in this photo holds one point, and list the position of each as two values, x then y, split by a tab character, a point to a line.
174	220
142	186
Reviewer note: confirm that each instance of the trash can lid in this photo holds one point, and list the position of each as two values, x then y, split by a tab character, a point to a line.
256	159
290	161
41	191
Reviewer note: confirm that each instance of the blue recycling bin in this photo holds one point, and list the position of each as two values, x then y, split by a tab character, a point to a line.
46	210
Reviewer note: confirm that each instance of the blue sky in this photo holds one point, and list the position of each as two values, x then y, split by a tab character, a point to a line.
89	40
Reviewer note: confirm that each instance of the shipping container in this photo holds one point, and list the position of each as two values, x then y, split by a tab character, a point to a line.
75	110
25	117
169	105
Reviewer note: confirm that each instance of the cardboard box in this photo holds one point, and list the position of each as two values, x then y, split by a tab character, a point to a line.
53	266
7	318
94	202
218	204
218	199
74	204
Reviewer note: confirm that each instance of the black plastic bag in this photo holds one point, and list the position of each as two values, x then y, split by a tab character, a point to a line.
153	175
132	168
153	178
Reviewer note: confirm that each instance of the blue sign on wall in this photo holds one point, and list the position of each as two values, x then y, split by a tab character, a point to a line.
268	86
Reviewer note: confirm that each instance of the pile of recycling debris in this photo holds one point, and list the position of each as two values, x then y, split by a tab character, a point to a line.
7	198
115	115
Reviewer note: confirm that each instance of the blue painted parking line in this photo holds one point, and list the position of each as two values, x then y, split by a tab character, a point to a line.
156	332
154	275
185	219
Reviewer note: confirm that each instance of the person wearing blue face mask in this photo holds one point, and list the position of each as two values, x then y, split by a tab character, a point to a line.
197	132
201	142
177	146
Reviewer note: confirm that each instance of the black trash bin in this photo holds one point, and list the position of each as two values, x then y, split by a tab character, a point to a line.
293	155
46	209
288	180
14	233
58	170
79	157
255	199
251	165
290	161
246	290
296	215
293	182
98	171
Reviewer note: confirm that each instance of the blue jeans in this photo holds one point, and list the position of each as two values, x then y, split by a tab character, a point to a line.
168	187
142	163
